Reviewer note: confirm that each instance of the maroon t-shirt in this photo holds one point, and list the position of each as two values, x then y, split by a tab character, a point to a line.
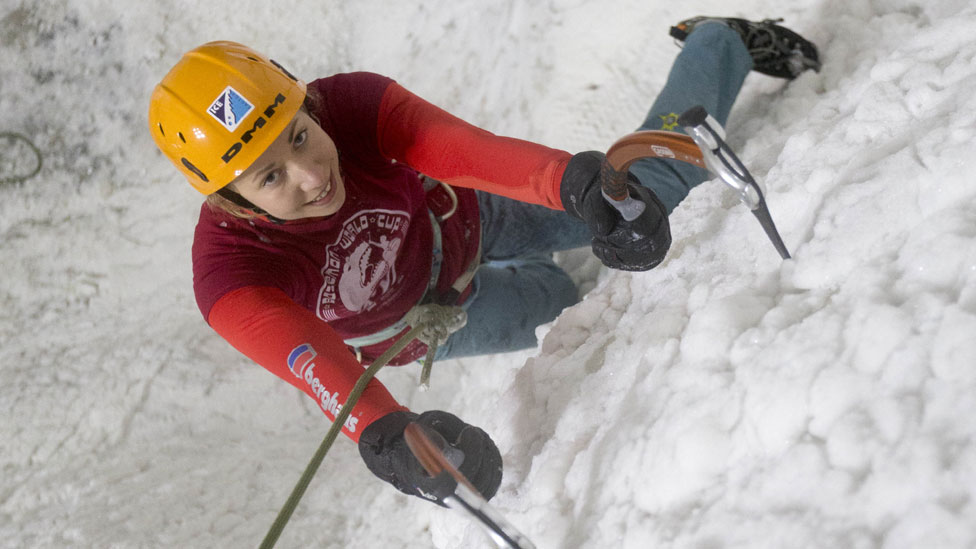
362	268
287	295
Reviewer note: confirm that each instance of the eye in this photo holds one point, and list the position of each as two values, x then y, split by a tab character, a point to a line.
300	138
270	179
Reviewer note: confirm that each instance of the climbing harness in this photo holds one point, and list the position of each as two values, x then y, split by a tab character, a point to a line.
705	148
9	160
430	296
437	259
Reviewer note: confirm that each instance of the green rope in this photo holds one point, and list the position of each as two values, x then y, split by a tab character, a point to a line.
37	154
296	494
428	364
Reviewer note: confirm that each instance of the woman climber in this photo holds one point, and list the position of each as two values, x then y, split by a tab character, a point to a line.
336	208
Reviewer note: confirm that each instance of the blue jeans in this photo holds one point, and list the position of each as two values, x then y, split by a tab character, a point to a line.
519	287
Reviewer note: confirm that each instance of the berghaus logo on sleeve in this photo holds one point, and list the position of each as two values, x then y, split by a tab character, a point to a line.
301	362
299	359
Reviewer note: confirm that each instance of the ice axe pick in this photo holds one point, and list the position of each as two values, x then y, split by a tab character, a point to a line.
705	148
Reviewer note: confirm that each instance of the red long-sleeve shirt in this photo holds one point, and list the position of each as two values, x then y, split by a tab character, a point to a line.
288	295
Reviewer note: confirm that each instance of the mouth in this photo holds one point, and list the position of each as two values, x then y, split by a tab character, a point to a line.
326	195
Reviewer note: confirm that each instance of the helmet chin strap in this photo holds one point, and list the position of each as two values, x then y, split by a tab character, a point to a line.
247	205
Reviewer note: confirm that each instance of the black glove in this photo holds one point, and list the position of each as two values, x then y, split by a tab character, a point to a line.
387	456
637	245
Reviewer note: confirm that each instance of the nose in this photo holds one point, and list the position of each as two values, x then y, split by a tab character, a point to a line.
308	175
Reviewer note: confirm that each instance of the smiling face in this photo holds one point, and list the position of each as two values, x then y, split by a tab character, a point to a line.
297	176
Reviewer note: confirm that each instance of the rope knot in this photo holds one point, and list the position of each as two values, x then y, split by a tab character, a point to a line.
436	324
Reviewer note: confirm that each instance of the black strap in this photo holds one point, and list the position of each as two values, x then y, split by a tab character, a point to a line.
247	205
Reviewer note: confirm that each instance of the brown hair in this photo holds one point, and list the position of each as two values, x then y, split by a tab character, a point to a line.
311	105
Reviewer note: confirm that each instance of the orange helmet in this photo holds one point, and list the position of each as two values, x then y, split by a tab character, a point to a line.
218	109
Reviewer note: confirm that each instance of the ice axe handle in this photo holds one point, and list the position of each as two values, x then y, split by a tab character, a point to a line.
429	448
633	147
614	185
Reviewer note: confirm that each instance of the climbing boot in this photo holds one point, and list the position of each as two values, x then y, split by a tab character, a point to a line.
775	50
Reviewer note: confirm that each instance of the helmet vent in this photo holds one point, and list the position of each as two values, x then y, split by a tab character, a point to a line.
284	70
161	130
189	165
183	139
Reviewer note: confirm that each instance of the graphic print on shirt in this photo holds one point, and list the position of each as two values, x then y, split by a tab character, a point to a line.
360	267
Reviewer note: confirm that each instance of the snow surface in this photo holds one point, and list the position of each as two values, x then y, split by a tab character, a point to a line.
725	399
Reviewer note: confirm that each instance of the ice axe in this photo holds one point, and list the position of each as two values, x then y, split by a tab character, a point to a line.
705	148
431	451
